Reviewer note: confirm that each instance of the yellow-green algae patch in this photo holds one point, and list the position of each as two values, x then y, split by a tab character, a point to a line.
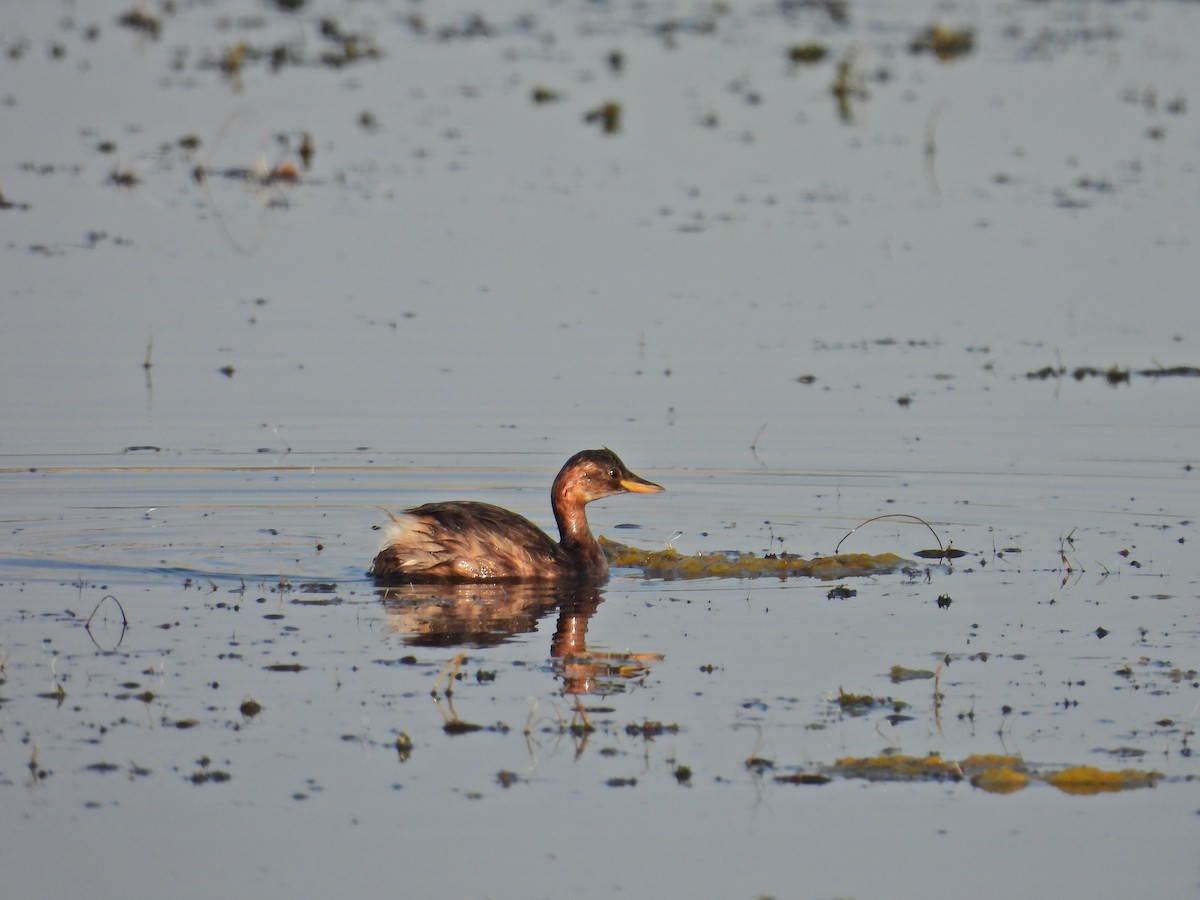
672	565
898	767
1000	781
993	773
1090	780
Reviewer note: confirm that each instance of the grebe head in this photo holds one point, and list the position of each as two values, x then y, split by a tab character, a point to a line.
592	474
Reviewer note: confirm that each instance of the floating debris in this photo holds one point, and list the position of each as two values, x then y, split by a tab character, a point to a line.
608	115
650	730
848	86
944	43
250	708
860	704
5	203
947	553
404	746
137	19
126	178
900	673
807	54
216	776
803	778
1114	375
541	94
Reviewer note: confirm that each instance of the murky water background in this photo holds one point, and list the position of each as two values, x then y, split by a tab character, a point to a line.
794	317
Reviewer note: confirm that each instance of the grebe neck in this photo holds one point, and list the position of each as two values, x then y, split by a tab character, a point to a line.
575	535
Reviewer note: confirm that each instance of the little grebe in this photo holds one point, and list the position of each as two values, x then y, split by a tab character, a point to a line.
462	540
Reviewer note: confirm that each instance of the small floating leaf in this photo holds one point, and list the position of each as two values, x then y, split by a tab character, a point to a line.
948	553
803	778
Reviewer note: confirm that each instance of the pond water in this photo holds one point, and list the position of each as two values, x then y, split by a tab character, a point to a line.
268	270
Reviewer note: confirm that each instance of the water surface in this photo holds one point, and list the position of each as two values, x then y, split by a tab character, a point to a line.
793	316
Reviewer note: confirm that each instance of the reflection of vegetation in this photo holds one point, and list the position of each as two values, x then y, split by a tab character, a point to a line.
670	564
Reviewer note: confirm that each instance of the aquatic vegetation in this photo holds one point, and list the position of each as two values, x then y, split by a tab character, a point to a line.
250	708
670	564
1114	374
848	85
404	746
137	19
5	203
900	674
898	767
860	704
542	94
807	54
648	730
607	115
1082	780
944	43
993	773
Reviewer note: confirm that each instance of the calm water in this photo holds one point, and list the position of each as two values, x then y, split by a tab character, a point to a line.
794	320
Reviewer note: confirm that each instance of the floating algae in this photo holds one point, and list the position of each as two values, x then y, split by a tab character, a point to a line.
1090	780
672	565
1000	781
993	773
898	767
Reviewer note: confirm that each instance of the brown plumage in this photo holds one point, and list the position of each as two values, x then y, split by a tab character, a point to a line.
462	540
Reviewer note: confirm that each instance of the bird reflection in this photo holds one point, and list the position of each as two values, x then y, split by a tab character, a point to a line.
487	614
